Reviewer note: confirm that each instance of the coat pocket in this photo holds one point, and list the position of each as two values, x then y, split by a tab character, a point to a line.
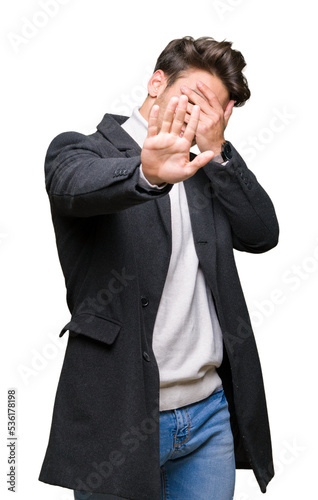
96	327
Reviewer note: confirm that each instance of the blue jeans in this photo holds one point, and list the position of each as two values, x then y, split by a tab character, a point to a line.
196	452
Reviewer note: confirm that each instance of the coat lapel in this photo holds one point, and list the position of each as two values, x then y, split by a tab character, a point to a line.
199	196
110	127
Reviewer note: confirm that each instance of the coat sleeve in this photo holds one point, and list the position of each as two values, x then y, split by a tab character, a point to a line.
82	181
249	209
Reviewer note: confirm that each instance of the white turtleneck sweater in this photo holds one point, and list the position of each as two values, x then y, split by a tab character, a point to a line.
187	338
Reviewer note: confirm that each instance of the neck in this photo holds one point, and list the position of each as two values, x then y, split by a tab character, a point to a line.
146	107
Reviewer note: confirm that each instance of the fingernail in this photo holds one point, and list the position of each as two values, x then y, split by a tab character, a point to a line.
199	84
183	88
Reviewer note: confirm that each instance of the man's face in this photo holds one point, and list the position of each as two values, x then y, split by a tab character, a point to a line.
190	79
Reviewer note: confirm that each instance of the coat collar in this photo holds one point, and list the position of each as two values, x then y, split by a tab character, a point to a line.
110	127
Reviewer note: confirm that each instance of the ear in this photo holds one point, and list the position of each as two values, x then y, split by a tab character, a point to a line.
157	83
228	111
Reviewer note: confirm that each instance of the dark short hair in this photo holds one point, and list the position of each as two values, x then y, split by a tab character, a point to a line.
205	53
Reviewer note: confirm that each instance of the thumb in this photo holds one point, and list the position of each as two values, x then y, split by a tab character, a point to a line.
201	160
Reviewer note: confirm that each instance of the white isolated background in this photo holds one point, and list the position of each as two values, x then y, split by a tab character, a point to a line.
93	57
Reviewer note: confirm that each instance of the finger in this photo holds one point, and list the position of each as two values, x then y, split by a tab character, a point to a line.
203	117
192	126
169	115
187	117
210	96
153	121
190	107
228	111
201	160
189	113
195	98
181	111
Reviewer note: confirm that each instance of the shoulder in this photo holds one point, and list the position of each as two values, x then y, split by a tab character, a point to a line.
66	141
94	142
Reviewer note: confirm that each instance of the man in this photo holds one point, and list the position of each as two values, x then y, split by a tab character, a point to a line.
161	392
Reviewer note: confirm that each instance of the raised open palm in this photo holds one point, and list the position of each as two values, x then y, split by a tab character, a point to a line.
165	154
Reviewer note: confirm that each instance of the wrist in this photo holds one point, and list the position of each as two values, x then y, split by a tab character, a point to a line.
152	179
216	147
156	182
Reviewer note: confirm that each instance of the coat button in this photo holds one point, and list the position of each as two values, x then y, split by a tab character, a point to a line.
144	301
146	356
